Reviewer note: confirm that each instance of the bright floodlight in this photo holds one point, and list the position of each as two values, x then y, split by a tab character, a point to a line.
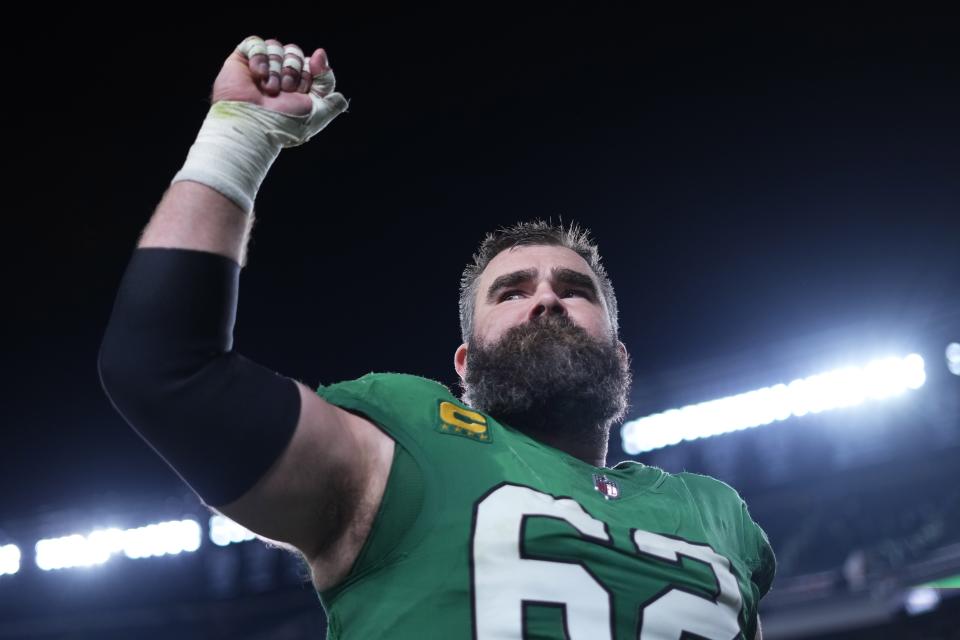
164	538
224	531
921	600
953	358
9	559
882	378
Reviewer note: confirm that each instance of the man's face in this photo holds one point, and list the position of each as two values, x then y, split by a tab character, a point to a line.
543	354
522	283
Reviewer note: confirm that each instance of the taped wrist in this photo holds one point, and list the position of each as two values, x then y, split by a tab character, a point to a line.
167	365
233	151
239	141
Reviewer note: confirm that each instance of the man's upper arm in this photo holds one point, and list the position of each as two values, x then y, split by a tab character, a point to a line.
336	463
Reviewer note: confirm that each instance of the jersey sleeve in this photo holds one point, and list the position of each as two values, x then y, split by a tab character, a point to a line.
764	560
720	506
736	535
403	406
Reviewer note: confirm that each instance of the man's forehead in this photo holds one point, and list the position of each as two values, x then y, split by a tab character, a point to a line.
542	258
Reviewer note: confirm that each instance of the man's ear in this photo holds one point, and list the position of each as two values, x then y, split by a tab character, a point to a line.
623	351
460	360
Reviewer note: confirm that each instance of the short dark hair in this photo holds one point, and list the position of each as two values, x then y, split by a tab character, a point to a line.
532	233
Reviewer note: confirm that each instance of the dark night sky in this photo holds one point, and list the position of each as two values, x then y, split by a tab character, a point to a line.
752	179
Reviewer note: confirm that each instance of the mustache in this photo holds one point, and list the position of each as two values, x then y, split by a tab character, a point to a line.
524	336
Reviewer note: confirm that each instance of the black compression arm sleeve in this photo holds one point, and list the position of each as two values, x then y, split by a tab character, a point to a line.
167	365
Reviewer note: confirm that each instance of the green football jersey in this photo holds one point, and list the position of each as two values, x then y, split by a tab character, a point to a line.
486	533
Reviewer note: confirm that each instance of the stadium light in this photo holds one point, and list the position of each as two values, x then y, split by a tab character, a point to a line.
163	538
921	600
224	531
847	387
9	559
953	358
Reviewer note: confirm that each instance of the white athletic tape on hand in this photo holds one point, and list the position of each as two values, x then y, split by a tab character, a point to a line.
275	54
239	141
323	84
293	57
253	46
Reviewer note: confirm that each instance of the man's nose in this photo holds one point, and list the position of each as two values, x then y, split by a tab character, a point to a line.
546	302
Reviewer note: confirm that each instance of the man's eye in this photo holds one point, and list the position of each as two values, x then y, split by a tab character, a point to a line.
574	292
509	295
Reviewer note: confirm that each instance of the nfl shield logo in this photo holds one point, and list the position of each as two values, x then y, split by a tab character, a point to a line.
606	486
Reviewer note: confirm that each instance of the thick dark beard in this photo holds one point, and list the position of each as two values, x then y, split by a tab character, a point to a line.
549	379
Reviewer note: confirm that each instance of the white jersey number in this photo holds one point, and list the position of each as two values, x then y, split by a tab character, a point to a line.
504	580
